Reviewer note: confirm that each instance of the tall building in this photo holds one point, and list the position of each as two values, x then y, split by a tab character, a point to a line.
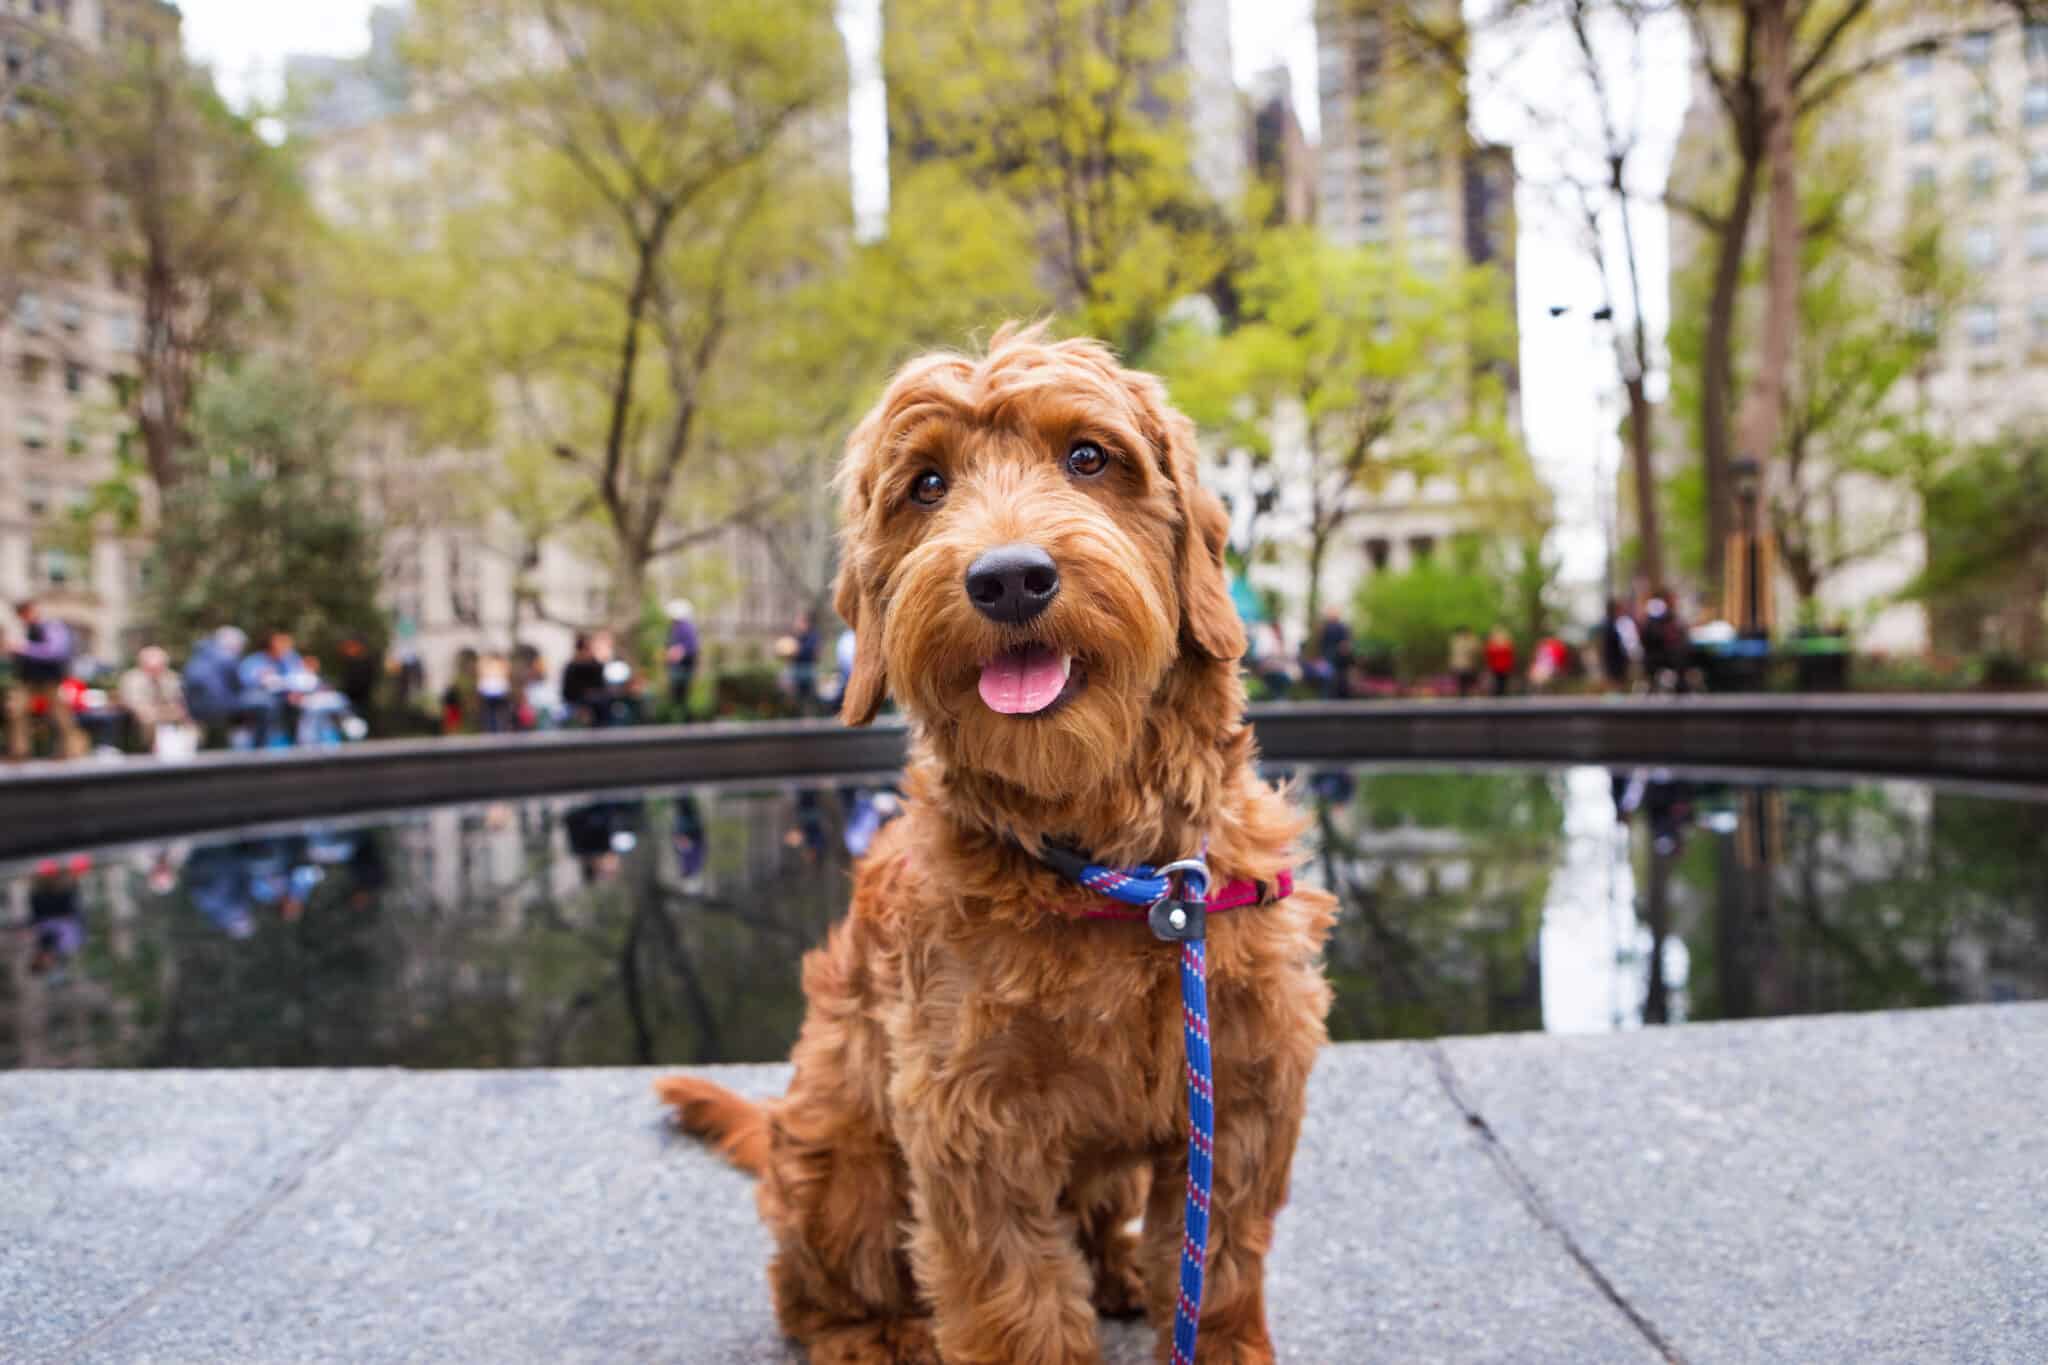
1397	168
69	329
1215	111
1955	130
1280	157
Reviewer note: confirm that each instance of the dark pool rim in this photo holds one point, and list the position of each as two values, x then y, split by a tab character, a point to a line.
1979	745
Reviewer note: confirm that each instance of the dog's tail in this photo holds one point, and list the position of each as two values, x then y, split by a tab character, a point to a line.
734	1124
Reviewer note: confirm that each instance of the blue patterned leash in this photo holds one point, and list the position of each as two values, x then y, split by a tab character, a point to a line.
1176	903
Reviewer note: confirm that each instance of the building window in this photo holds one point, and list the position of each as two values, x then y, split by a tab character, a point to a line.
2038	317
1921	182
35	430
122	332
1920	120
1983	177
2034	104
30	368
1980	247
2037	239
1920	61
1975	47
2037	172
59	568
1982	109
1420	548
74	377
1378	552
2037	41
1980	324
35	497
28	311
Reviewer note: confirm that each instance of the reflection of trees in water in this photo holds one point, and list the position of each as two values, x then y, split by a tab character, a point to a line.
1441	879
482	938
472	938
1869	898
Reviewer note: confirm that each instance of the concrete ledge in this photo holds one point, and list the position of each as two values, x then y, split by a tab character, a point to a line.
1999	742
1869	1188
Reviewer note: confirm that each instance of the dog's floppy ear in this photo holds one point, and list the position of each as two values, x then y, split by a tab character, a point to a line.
864	689
1209	619
868	682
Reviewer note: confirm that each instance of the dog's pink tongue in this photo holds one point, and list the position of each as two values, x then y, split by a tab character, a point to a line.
1021	681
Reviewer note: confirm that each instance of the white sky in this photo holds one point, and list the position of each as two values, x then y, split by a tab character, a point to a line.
1570	404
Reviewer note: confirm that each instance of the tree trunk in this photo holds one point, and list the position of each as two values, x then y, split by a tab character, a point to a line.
1717	364
1650	535
1318	547
1759	424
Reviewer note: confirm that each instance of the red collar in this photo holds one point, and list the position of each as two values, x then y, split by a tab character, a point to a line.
1230	896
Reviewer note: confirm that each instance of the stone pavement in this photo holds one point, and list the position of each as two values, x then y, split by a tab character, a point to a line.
1857	1188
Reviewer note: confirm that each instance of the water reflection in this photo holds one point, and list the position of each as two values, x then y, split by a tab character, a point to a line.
667	927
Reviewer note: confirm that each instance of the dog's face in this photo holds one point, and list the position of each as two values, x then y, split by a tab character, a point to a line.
1027	558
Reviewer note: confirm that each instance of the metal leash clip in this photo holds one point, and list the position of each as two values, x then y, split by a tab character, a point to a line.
1182	915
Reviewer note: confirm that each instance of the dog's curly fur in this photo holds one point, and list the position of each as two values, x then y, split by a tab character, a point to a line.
988	1084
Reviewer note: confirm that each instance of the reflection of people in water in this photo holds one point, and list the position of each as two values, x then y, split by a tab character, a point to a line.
867	810
689	837
231	883
600	832
808	835
56	914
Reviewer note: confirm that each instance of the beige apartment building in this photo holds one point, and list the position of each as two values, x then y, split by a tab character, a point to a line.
69	329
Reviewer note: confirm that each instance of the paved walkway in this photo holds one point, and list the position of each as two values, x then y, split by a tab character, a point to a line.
1856	1188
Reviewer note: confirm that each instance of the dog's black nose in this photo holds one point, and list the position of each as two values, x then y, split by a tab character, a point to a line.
1013	583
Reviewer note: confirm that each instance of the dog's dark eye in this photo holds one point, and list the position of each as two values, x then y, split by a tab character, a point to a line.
928	489
1086	460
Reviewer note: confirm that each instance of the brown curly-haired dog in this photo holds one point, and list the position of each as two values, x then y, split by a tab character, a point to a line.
988	1082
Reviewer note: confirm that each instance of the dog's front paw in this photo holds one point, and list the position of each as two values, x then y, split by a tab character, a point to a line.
902	1341
1119	1288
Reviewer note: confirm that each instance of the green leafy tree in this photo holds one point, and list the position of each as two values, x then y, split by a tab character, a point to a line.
135	152
1071	113
660	178
1856	436
1476	582
1380	369
265	531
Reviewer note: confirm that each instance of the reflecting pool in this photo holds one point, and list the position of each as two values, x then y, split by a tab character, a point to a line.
667	926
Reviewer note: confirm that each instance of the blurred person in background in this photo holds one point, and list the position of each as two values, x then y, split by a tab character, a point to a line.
597	687
800	648
1465	659
843	656
681	654
1500	659
540	699
213	684
1267	653
42	660
494	706
356	675
1549	662
153	697
1333	643
273	683
1665	644
1621	647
